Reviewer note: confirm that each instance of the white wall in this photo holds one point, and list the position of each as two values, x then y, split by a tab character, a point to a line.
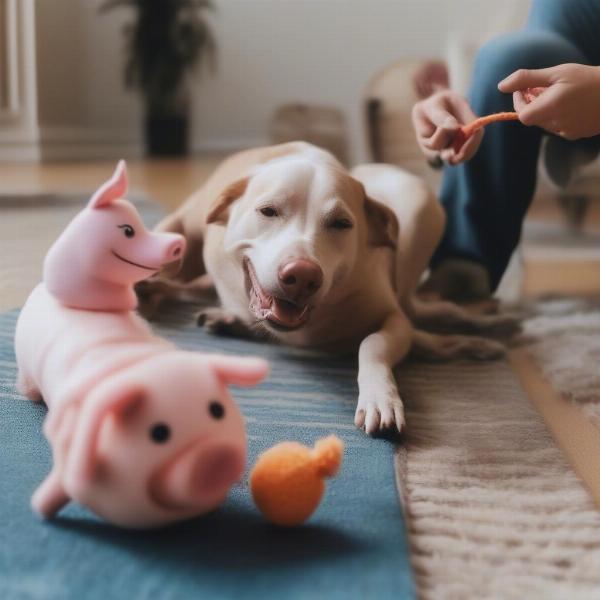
18	115
270	52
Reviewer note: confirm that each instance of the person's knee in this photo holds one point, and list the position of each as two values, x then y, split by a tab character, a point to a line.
523	50
550	15
520	50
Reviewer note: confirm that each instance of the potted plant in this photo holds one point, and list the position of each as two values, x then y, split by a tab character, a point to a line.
165	42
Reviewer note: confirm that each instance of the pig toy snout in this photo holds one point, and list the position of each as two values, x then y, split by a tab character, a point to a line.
201	475
163	248
174	250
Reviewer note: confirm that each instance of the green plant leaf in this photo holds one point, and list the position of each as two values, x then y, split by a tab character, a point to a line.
164	43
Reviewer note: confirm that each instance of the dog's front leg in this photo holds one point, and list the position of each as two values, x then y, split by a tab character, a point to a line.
380	409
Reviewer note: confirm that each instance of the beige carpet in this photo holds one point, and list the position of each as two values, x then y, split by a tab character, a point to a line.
492	507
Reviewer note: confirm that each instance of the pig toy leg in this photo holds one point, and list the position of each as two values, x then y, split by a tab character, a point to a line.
50	496
26	387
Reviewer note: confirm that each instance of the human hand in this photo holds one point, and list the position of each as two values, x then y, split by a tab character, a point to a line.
436	121
569	105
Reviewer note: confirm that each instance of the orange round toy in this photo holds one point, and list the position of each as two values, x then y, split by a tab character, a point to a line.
287	480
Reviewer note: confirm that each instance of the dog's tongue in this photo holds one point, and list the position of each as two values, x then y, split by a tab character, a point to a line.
274	309
286	313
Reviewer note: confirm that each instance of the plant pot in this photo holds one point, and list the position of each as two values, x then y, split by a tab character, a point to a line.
166	135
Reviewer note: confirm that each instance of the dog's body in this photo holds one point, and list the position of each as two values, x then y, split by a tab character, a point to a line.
308	253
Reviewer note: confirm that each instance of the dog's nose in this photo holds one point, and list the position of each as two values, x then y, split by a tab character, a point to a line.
300	278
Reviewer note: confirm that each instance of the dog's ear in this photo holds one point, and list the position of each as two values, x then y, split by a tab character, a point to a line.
219	212
382	224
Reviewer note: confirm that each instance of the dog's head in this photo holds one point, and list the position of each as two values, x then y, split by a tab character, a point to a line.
296	228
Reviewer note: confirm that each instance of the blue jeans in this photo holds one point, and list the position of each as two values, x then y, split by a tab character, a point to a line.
486	199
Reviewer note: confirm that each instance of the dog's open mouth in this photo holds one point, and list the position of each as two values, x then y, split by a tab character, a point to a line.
280	313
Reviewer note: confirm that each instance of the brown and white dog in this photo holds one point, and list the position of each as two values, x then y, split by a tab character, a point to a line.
306	252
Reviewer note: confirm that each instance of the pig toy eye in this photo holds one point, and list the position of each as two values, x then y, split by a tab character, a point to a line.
128	230
216	409
160	433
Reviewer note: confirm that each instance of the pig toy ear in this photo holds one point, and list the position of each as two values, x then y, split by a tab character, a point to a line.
117	399
239	371
113	189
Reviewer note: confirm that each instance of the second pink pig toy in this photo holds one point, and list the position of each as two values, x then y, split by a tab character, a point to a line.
105	250
141	433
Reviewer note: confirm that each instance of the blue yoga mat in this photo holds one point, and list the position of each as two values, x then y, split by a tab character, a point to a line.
354	546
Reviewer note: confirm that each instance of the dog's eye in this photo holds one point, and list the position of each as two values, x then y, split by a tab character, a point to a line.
160	433
128	230
268	211
340	224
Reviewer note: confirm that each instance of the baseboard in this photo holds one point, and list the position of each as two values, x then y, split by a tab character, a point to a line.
79	143
225	145
578	438
72	143
12	152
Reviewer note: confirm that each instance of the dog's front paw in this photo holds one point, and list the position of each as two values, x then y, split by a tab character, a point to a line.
220	322
152	294
380	410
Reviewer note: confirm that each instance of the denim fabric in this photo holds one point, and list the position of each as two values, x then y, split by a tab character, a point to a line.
486	199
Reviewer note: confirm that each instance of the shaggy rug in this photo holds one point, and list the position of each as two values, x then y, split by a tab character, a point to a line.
493	509
563	337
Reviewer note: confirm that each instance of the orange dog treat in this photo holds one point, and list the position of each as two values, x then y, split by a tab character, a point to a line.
287	480
466	131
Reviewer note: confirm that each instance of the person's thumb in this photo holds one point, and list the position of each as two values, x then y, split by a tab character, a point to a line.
527	78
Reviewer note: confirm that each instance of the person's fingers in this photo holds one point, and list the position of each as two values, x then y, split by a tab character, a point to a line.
440	140
528	78
444	134
423	126
447	156
424	129
441	117
468	150
530	94
436	122
519	101
459	107
540	111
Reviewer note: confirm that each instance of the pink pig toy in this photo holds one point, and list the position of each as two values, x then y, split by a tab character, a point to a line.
105	250
142	433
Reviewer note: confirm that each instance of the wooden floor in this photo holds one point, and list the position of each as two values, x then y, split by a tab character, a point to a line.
168	181
171	181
